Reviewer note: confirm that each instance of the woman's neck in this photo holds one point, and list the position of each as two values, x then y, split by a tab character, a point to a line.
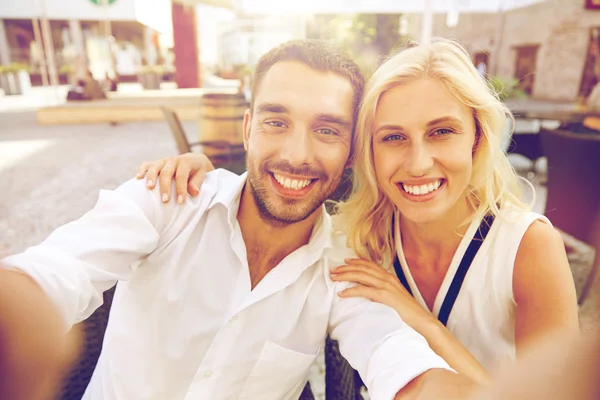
439	239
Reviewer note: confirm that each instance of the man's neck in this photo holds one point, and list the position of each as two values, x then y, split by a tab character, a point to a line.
268	243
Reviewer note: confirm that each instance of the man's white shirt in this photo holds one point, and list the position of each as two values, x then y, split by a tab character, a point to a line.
184	322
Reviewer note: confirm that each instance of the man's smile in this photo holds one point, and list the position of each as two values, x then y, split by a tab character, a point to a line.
290	185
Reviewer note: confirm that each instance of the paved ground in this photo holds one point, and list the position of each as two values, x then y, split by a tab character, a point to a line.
51	175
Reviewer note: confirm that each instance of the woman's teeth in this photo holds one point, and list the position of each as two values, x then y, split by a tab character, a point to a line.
293	184
422	189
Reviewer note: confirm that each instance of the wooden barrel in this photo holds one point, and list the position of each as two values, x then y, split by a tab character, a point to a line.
221	130
221	117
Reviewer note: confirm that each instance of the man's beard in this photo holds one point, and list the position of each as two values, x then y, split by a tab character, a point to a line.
292	210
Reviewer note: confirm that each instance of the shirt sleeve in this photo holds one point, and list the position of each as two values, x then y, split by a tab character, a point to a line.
387	352
82	259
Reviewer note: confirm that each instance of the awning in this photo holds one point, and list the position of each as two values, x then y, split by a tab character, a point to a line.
361	6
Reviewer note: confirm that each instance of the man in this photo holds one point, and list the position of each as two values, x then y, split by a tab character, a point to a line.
229	295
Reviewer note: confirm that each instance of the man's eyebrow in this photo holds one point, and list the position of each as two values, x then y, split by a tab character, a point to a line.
271	108
334	119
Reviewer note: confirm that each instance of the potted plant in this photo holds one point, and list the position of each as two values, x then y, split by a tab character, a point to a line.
65	74
14	78
150	76
3	80
507	90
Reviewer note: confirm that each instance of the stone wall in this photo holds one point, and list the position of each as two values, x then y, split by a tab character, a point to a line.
560	27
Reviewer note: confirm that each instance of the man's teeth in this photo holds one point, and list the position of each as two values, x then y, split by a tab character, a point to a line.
422	189
294	184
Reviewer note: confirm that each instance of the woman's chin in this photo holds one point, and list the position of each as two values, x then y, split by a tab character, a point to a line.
435	213
421	216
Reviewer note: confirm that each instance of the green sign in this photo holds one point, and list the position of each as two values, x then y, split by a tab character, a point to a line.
103	2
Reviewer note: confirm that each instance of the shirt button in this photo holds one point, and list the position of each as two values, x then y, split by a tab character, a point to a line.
207	374
234	318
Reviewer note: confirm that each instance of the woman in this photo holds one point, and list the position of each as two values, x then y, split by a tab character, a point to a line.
436	197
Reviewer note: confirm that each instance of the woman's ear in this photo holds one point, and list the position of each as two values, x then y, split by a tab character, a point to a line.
478	134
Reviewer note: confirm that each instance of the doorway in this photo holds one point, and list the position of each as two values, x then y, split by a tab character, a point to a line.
591	69
482	63
525	67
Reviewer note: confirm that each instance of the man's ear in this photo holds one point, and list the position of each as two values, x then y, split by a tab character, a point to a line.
246	127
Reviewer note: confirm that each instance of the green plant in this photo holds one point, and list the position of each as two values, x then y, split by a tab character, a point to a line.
156	69
15	68
365	37
505	89
66	69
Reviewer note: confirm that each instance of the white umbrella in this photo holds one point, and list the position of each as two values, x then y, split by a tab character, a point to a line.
362	6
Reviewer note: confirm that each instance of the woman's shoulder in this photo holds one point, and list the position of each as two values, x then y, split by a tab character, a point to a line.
515	230
513	217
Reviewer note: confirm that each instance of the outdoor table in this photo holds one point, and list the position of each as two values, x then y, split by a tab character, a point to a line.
526	141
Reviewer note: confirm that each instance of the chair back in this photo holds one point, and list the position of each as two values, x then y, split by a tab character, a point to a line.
183	146
342	382
221	153
93	337
573	189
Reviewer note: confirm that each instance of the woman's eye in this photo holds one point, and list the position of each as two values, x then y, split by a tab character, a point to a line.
327	131
392	138
442	132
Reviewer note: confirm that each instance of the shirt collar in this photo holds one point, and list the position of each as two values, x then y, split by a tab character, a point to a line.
228	194
320	239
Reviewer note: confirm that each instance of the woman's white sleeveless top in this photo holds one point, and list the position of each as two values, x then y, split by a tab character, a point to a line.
483	316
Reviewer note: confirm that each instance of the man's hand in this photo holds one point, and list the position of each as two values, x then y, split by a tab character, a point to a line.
35	352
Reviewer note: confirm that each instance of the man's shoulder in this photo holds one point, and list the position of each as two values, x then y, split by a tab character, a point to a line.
217	182
219	187
339	250
223	185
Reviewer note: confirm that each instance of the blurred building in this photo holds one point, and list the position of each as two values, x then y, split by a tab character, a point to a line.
55	37
551	46
243	40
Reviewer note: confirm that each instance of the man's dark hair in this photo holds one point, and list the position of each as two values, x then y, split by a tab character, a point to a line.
317	54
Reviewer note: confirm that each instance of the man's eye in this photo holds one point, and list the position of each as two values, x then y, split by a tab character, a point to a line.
276	124
392	138
327	131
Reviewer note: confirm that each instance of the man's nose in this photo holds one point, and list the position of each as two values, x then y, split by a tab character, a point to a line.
298	147
419	159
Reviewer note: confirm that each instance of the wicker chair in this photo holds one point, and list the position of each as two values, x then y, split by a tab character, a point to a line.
226	155
573	197
342	382
93	329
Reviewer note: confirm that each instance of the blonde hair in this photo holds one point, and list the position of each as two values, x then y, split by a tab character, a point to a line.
367	216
